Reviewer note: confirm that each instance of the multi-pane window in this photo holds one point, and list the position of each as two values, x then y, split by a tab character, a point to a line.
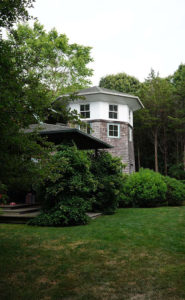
113	111
85	111
113	130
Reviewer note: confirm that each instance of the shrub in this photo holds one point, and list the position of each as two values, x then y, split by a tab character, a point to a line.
71	213
175	191
3	193
69	176
177	171
107	171
145	188
78	182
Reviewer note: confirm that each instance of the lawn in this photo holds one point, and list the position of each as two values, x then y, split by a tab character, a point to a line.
135	254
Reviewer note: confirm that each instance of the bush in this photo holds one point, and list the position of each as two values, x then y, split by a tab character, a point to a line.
78	182
3	193
71	213
69	176
145	188
175	191
107	171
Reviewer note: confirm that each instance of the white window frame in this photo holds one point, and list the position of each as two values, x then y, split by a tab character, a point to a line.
85	111
113	111
110	136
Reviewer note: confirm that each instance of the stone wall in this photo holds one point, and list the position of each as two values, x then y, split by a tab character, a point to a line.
122	147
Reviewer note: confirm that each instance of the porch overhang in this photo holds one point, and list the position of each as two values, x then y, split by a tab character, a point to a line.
59	134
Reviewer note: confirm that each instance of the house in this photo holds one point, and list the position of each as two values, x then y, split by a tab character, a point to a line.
110	118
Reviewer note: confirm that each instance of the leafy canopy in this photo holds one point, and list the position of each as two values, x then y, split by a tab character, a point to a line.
120	82
59	65
12	11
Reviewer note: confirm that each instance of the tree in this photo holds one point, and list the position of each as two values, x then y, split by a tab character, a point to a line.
13	11
34	68
156	94
61	66
178	116
121	82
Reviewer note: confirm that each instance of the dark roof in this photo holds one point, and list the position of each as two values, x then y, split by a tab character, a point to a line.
60	133
95	90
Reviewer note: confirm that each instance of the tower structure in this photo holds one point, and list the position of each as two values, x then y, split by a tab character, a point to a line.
110	117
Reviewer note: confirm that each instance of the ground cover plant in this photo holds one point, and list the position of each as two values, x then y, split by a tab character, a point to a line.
137	253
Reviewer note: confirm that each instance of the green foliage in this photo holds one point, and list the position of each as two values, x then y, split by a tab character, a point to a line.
12	11
107	171
69	176
29	83
59	65
70	212
121	82
145	188
3	193
78	182
177	171
175	191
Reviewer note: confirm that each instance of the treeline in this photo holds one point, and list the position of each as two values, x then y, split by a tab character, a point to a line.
159	128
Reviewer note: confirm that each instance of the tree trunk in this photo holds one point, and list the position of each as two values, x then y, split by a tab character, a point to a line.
138	158
165	154
177	150
165	161
156	150
184	156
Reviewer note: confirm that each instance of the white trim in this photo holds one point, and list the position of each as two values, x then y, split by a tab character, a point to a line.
110	136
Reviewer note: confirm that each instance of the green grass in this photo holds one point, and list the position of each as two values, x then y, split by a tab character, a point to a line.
135	254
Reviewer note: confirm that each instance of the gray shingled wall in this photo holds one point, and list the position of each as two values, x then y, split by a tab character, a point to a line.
122	147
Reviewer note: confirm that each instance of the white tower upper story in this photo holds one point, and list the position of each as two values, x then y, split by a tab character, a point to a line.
104	104
110	115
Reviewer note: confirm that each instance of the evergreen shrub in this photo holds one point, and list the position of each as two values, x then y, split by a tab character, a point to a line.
107	172
175	191
71	213
79	182
145	188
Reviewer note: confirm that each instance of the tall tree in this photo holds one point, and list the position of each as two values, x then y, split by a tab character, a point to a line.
61	66
178	116
34	68
12	11
120	82
156	94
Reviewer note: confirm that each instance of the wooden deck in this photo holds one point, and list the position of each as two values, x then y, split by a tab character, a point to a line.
19	213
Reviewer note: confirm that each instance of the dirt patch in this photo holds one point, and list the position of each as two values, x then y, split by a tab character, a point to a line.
45	280
76	244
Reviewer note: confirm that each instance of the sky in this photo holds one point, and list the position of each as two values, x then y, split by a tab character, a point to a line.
130	36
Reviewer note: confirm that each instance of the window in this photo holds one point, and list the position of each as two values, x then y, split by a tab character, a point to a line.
113	130
86	129
113	111
85	111
130	134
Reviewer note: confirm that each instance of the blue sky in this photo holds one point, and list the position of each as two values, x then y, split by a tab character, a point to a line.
130	36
